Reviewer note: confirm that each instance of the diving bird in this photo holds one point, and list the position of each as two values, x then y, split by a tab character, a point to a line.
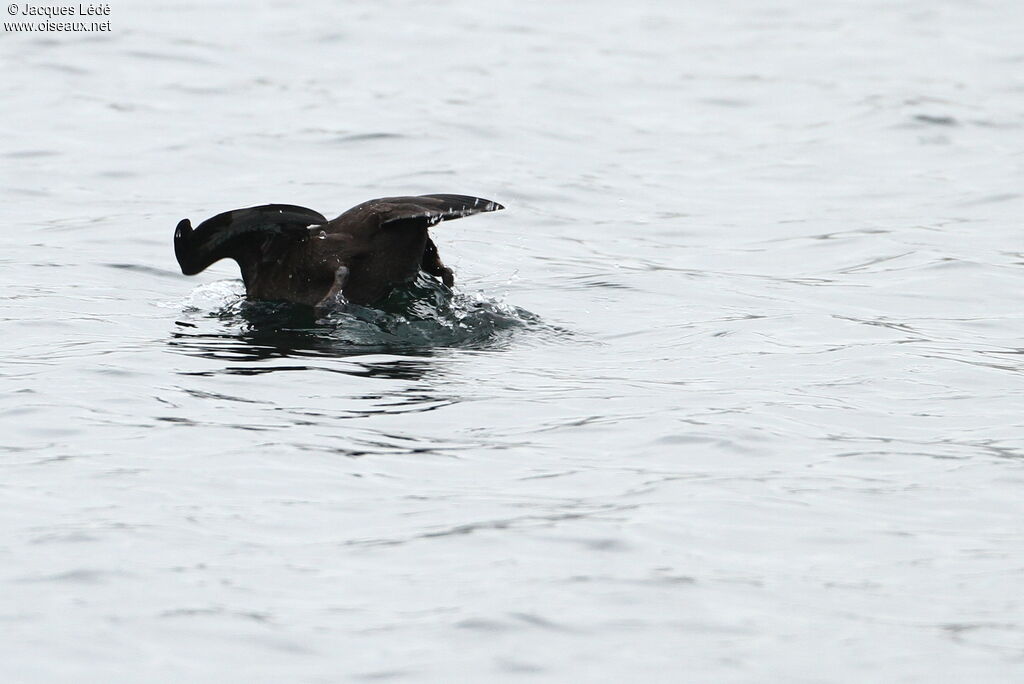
294	254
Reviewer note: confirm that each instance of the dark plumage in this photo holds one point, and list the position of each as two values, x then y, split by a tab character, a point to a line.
294	254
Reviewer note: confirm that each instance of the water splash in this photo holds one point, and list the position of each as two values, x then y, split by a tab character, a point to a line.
420	316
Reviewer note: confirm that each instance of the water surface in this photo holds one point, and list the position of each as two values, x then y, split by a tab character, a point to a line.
731	391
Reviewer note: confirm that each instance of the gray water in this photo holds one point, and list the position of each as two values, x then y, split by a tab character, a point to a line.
731	392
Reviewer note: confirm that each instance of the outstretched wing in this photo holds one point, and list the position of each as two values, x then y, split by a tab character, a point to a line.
437	208
421	210
389	239
245	235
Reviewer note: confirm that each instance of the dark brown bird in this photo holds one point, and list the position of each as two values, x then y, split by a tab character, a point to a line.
294	254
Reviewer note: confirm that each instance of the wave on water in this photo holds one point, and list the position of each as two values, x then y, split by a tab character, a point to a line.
420	316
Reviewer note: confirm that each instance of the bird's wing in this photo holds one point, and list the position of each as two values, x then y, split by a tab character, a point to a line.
421	210
246	235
